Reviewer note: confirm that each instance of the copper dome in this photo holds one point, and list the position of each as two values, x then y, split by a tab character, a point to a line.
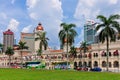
39	27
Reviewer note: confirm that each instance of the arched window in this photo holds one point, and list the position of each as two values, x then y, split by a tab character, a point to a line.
96	54
116	64
104	64
89	55
95	64
105	54
2	64
110	65
75	65
89	64
85	64
80	64
109	53
116	53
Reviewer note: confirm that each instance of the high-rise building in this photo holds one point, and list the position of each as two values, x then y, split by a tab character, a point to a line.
89	32
8	39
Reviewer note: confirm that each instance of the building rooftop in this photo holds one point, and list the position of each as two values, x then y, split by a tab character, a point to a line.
8	32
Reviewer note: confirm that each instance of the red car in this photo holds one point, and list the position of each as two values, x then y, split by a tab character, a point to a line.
82	69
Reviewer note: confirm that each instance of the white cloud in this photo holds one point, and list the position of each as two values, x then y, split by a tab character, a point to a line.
49	13
31	3
27	29
45	8
33	15
80	37
3	18
113	1
96	13
86	8
12	1
89	9
89	3
13	25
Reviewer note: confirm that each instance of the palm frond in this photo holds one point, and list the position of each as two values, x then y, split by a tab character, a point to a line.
43	40
67	33
114	17
99	26
9	51
63	24
71	25
102	18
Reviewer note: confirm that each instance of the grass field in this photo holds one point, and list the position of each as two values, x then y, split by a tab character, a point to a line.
24	74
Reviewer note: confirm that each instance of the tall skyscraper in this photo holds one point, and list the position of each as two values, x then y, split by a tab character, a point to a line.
8	39
89	32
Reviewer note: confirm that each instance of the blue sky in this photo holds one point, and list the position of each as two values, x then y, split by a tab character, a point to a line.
24	15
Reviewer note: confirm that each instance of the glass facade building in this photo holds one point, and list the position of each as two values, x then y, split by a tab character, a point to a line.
89	32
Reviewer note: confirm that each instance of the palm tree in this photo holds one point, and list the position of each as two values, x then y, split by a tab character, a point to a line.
39	52
43	41
9	52
67	33
21	47
109	27
84	48
73	52
1	48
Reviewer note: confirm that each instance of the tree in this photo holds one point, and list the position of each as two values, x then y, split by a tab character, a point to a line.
39	52
9	52
84	48
67	33
43	41
1	48
73	52
21	47
109	27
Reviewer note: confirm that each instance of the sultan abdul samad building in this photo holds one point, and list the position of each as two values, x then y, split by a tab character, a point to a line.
94	57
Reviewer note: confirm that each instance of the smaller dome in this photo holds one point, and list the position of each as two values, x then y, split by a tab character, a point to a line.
39	27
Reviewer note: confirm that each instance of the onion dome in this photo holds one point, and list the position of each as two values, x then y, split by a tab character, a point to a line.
8	32
39	27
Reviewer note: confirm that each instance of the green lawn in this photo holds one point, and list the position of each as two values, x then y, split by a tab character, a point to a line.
25	74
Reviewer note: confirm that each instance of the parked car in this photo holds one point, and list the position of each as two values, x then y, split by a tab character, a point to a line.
82	69
98	69
15	66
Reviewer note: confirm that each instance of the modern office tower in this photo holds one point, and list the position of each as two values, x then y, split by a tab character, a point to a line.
8	39
29	39
89	32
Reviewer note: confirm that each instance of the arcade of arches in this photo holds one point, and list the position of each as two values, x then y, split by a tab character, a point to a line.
114	64
97	57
